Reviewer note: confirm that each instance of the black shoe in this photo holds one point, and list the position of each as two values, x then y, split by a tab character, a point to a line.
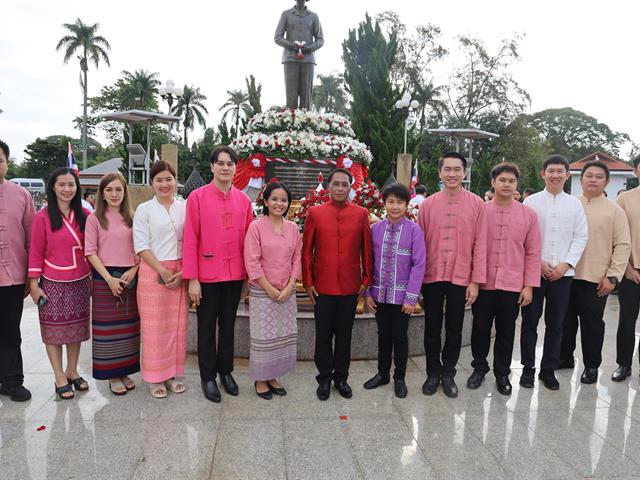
549	379
16	394
343	389
210	390
449	387
590	375
475	380
528	378
400	387
503	384
324	391
430	386
621	374
229	384
566	364
280	391
266	395
376	381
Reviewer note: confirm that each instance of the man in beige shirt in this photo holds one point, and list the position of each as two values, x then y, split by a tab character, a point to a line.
601	267
629	292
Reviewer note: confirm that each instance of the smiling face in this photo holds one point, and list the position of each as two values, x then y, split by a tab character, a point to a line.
594	180
223	168
164	184
452	172
555	176
339	187
278	202
113	194
65	188
395	207
505	185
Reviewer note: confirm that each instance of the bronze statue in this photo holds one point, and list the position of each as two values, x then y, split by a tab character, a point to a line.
300	34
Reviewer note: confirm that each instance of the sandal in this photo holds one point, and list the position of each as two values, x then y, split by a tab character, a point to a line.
174	385
65	389
158	390
117	387
79	383
128	383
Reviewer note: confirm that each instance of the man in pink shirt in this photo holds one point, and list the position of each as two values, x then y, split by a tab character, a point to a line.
513	270
16	215
453	222
217	219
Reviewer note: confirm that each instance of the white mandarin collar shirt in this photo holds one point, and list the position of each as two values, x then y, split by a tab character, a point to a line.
563	226
160	230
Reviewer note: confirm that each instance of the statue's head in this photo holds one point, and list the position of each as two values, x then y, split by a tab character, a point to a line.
301	3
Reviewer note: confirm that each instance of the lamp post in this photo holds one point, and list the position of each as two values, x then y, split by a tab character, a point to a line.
169	92
405	103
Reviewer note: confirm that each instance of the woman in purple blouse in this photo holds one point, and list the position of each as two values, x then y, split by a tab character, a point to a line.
399	260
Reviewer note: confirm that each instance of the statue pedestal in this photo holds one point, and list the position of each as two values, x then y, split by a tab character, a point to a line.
403	169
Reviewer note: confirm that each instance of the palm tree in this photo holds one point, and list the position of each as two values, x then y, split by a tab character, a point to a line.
141	88
190	107
238	100
91	48
328	95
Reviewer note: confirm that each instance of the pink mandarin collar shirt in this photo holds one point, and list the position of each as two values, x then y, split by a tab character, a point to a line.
514	247
215	226
455	233
57	255
16	215
275	256
114	246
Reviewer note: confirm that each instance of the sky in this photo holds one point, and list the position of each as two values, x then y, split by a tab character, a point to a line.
580	54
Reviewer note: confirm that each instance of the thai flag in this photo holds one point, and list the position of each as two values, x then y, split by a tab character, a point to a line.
71	159
414	178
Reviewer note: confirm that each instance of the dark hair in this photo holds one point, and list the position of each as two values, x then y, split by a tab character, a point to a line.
266	193
595	163
161	166
5	148
529	191
87	193
636	161
397	189
340	170
505	167
213	156
457	155
421	189
556	159
55	216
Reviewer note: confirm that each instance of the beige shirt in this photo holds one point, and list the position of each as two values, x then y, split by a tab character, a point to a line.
630	203
607	251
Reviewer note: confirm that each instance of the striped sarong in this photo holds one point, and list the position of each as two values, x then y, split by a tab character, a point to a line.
163	324
115	330
64	319
274	335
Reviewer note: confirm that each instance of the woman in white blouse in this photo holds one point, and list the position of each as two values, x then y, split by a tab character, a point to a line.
162	295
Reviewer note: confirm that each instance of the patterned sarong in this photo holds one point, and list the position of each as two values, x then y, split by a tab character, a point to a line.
64	319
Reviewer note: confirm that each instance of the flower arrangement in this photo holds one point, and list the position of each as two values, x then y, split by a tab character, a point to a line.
311	200
301	145
278	119
369	197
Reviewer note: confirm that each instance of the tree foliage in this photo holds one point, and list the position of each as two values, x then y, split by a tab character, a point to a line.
329	94
139	89
237	106
191	108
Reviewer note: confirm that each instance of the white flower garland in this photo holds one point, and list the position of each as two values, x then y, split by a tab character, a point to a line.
279	119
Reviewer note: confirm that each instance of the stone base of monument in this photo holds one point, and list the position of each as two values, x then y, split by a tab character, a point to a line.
364	345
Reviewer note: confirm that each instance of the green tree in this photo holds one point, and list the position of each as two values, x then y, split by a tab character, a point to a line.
254	94
45	155
237	105
329	94
368	57
225	136
82	39
140	89
191	108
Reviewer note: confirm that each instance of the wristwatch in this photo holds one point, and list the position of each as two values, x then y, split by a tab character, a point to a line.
613	280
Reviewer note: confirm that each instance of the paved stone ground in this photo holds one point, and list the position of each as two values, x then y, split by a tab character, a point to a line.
590	431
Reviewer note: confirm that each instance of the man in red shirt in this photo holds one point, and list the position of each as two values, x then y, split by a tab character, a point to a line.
336	270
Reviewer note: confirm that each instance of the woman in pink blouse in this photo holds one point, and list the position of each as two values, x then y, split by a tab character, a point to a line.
59	278
272	258
115	320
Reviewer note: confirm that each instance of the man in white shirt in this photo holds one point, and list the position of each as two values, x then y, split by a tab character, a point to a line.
564	230
89	201
421	194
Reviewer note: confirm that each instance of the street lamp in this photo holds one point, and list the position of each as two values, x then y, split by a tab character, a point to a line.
169	92
406	103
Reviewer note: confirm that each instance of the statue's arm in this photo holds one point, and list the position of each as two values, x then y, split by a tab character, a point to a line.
317	35
281	29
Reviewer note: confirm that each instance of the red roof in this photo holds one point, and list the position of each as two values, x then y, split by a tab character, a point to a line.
613	163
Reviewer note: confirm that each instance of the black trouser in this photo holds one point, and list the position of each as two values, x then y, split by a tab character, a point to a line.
443	360
11	300
503	307
629	298
556	295
392	337
218	307
588	307
334	315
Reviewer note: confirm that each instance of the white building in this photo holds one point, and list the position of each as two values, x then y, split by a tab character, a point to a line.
619	173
